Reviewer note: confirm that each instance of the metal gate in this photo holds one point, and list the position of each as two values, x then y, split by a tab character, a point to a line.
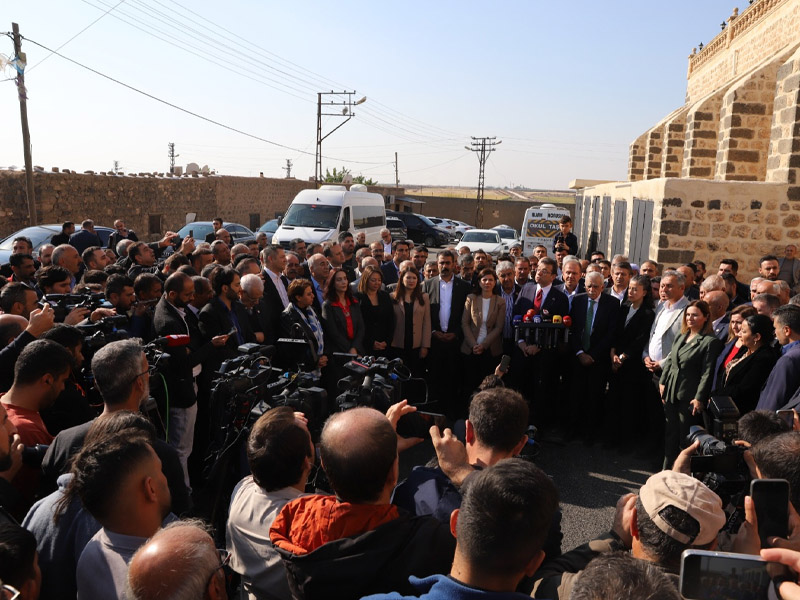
641	230
620	225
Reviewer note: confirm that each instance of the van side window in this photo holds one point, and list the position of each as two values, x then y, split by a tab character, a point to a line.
345	225
368	216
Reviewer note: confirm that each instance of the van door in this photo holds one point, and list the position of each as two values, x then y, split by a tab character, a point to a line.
344	224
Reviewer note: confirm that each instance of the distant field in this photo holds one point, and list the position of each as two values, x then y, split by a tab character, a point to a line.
493	194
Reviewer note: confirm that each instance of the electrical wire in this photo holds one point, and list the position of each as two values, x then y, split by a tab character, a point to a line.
32	67
187	111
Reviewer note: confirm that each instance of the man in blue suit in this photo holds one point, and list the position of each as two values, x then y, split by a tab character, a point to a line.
533	370
784	380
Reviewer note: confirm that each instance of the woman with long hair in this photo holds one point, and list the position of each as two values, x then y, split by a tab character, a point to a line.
412	317
378	312
745	375
734	347
687	377
341	317
482	323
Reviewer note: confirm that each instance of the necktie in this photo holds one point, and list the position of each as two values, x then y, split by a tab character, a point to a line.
537	303
587	330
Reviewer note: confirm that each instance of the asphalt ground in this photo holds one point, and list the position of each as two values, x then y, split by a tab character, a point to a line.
590	480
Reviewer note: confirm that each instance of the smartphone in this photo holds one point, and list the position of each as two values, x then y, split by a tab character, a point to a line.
707	575
418	424
771	501
504	362
191	233
787	416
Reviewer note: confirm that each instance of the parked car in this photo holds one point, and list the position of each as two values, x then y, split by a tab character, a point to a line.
445	224
270	227
421	230
397	228
487	240
41	235
200	229
508	235
460	228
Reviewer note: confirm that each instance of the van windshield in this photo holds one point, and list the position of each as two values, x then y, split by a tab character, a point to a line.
312	215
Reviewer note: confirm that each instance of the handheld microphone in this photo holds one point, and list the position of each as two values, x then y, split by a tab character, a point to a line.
172	341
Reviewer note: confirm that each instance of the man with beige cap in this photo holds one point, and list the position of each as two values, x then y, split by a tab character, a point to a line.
671	513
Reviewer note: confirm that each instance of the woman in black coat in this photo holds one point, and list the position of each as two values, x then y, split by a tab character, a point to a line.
743	377
299	321
627	405
378	312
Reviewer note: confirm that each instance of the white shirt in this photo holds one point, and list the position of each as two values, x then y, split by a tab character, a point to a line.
445	300
619	296
482	332
545	291
387	248
663	322
252	513
278	282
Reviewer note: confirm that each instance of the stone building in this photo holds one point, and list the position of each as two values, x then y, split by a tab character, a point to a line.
717	177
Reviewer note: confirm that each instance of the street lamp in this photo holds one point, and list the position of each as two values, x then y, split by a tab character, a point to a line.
347	112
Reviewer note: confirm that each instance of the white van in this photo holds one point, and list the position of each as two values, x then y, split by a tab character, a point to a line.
540	226
316	216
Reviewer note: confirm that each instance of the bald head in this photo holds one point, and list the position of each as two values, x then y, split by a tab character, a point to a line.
717	303
179	561
10	327
358	449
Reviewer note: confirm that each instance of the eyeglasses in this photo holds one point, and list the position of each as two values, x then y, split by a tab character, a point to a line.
224	559
151	370
545	271
15	593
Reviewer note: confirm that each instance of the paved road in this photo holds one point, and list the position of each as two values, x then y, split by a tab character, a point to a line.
590	480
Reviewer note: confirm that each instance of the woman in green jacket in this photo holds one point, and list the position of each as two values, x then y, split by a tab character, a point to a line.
687	377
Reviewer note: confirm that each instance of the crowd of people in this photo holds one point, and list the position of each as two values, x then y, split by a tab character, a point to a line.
98	500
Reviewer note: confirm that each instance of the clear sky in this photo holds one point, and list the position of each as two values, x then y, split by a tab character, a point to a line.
566	85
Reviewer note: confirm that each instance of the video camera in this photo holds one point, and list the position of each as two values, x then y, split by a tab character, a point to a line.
63	304
373	381
101	332
719	463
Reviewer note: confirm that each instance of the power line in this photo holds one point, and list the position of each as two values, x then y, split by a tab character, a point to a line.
185	110
31	68
423	132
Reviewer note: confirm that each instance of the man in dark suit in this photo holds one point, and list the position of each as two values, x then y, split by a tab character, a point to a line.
621	274
594	317
216	223
718	308
447	294
225	315
784	380
391	269
730	265
67	229
86	237
571	274
509	291
169	319
533	370
276	297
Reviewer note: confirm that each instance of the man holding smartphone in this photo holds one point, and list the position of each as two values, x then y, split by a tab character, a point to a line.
673	512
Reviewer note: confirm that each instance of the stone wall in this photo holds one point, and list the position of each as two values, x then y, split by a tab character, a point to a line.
760	32
784	149
708	220
147	205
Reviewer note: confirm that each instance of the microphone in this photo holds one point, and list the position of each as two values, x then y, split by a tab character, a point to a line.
172	341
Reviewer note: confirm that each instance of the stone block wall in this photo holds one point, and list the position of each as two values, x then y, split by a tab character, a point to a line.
147	205
757	34
674	143
636	158
745	119
702	129
653	152
709	220
784	149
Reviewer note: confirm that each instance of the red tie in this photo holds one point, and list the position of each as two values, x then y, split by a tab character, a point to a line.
537	303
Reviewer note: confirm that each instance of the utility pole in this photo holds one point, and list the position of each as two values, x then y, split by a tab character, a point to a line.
396	174
347	111
288	168
172	157
19	60
482	146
